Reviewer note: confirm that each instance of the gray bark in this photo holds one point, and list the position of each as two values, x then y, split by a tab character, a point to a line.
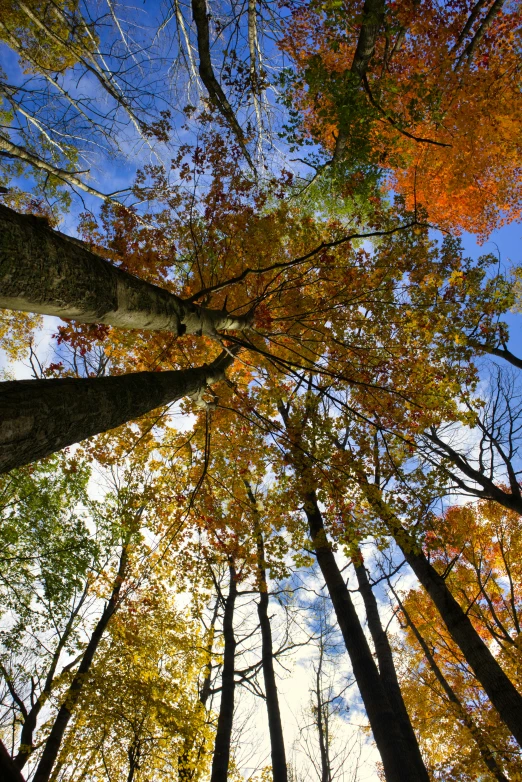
38	417
44	271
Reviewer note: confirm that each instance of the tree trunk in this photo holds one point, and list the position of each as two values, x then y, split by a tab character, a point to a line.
498	687
54	740
39	417
277	744
8	771
44	271
387	667
206	71
458	709
275	727
399	765
321	718
221	759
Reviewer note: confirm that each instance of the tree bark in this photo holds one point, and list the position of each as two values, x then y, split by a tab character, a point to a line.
387	667
399	765
8	770
498	687
221	759
275	727
458	709
39	417
320	720
47	272
54	740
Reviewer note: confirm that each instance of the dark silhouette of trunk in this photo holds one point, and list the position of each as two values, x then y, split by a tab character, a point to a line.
39	417
322	721
457	707
133	753
8	770
221	759
400	764
277	744
54	740
206	71
385	660
498	687
45	271
275	727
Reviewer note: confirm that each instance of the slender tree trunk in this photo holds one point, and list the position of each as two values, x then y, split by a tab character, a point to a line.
39	417
221	759
399	764
275	727
457	707
8	770
11	150
386	664
498	687
44	271
323	739
206	71
54	740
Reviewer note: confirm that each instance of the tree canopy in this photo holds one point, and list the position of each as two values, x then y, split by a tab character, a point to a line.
259	413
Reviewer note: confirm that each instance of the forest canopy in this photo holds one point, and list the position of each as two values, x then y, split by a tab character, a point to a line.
260	408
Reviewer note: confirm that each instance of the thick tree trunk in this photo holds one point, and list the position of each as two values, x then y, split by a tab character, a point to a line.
458	709
498	687
399	766
54	740
38	417
275	727
387	667
221	759
44	271
8	770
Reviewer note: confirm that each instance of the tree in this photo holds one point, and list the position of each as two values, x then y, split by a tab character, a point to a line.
429	73
47	556
457	711
221	757
348	344
400	755
140	704
327	705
